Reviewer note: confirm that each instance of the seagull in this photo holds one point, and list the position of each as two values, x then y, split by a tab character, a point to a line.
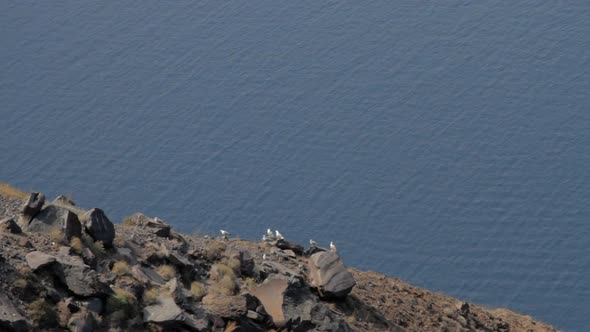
312	243
332	246
269	233
263	256
279	235
224	234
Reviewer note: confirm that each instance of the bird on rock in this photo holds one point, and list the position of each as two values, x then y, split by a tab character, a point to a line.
224	234
332	246
279	235
312	243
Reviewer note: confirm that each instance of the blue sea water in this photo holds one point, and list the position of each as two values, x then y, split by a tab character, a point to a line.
445	143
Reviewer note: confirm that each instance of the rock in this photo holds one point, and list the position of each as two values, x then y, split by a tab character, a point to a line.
10	318
89	258
296	248
38	259
80	279
98	226
230	307
81	322
72	306
179	260
25	243
327	273
147	275
54	216
274	267
254	315
127	255
65	251
165	310
8	224
63	200
271	294
32	206
246	264
156	226
93	304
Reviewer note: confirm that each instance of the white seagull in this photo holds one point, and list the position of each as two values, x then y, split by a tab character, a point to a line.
312	243
279	235
263	256
269	233
224	234
332	246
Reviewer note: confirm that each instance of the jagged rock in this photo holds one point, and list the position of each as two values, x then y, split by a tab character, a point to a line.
81	322
54	216
296	248
127	255
80	279
65	251
147	275
179	260
271	294
25	243
164	311
89	258
274	267
72	306
32	206
38	259
231	307
93	304
10	318
327	273
63	200
246	264
156	225
10	225
98	226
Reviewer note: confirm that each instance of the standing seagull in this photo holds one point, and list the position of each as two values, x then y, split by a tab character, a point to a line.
332	247
224	234
279	235
312	243
269	233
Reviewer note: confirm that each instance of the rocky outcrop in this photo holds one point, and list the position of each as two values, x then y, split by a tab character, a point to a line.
98	226
152	278
56	218
31	207
8	224
329	276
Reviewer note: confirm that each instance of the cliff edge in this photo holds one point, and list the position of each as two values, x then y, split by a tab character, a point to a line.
66	268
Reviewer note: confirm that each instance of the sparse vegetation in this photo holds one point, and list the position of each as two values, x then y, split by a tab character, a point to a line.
198	290
97	247
234	264
250	284
119	241
20	283
166	271
120	268
231	326
56	235
76	245
7	190
214	250
42	314
128	221
227	285
122	301
219	270
224	278
151	296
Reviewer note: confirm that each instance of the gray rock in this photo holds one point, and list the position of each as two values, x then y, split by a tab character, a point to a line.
80	279
38	259
155	225
165	311
81	322
147	275
63	200
89	258
246	264
53	216
10	225
327	273
93	304
32	206
127	255
296	248
10	318
65	251
98	226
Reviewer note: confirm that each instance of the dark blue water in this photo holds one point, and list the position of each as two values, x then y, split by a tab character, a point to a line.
445	143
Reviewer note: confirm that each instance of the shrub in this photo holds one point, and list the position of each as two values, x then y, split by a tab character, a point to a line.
151	296
214	250
231	326
166	271
56	235
128	221
97	247
219	270
122	301
250	284
42	314
120	268
76	245
235	265
198	290
227	285
7	190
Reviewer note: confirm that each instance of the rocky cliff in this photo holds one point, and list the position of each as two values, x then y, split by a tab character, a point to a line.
63	268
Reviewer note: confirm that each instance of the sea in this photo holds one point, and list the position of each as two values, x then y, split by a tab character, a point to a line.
446	143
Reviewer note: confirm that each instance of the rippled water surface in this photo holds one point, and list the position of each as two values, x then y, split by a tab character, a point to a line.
445	143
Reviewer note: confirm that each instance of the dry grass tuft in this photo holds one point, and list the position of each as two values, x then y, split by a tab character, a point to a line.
120	268
234	264
128	221
214	250
251	284
231	326
76	245
219	270
20	283
227	285
122	301
166	271
198	290
56	235
7	190
151	296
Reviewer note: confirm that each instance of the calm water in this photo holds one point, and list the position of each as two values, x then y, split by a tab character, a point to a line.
445	143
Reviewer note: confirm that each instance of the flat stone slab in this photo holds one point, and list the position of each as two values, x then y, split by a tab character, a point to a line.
38	259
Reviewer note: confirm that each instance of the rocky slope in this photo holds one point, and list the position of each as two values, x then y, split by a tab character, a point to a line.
67	268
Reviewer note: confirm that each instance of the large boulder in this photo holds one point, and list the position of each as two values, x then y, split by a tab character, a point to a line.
167	314
80	279
32	206
98	226
327	273
56	217
38	259
10	318
155	225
